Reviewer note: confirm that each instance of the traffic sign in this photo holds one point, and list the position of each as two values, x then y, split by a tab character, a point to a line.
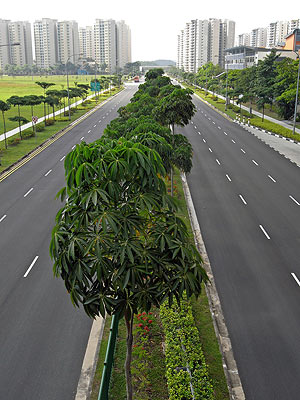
34	119
95	87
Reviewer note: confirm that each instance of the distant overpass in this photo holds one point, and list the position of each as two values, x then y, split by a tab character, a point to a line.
145	68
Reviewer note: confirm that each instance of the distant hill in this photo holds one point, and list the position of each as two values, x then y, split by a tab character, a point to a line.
161	63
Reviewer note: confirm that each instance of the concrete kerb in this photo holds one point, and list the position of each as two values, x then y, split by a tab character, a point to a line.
229	364
90	360
58	134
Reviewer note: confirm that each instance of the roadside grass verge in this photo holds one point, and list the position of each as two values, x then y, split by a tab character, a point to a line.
232	110
203	319
16	151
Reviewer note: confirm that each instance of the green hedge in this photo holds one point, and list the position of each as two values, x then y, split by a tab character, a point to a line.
275	128
183	348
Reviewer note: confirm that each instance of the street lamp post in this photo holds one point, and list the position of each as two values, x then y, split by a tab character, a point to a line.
72	55
226	95
296	100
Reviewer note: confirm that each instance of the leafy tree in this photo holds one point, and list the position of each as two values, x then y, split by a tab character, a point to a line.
286	86
118	244
17	101
266	76
154	73
175	109
3	108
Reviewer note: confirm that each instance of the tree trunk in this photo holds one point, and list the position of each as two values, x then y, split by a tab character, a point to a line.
172	172
5	141
129	340
251	107
263	114
53	113
19	121
32	119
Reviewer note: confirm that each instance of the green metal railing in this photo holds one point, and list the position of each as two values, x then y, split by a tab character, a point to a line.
109	359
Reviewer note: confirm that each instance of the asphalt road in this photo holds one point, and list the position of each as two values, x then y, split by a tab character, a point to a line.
247	199
42	336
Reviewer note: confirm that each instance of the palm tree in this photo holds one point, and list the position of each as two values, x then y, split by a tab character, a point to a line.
4	107
32	101
17	101
44	85
52	101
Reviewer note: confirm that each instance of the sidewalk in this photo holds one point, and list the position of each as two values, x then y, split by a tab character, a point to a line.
58	112
287	148
257	113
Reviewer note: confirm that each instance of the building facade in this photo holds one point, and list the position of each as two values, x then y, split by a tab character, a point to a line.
68	42
86	42
203	41
15	32
45	42
20	32
123	39
4	40
241	57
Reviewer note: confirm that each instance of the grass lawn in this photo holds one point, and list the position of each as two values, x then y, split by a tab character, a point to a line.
15	152
25	85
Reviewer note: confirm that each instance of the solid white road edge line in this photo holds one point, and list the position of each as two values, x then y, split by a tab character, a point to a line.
31	265
2	218
89	364
295	277
264	231
291	197
27	193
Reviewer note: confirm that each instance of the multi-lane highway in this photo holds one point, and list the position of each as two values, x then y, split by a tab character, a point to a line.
247	199
42	336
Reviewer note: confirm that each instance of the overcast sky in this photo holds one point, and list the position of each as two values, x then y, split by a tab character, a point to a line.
154	24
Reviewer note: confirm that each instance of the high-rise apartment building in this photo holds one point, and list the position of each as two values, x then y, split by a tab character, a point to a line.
244	39
20	32
15	32
258	37
46	43
204	41
123	39
68	42
4	40
105	44
86	42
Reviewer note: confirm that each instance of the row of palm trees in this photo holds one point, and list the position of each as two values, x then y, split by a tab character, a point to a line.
52	98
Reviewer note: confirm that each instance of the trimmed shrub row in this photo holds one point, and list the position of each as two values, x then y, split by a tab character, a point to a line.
187	373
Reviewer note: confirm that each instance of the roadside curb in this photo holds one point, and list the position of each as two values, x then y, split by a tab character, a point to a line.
234	384
268	132
90	360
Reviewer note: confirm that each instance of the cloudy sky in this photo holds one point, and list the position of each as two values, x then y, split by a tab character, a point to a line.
154	24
